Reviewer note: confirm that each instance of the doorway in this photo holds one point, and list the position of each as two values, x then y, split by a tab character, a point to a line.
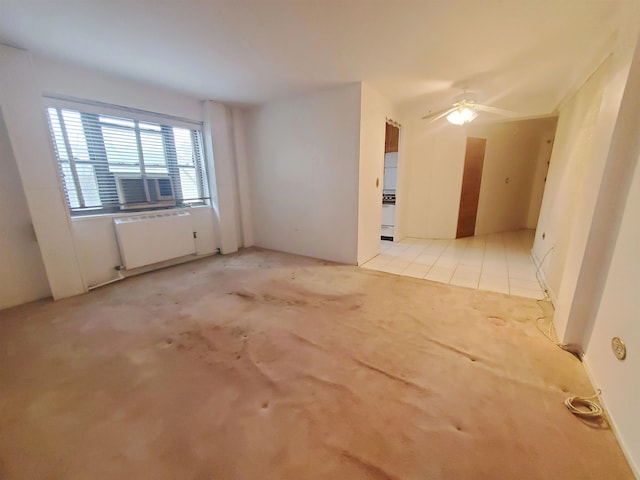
471	180
390	181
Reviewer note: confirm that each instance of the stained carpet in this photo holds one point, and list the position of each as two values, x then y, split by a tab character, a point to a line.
262	365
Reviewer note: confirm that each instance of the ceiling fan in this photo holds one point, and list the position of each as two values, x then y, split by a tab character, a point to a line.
465	109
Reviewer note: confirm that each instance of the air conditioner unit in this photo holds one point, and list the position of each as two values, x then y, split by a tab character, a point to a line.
132	192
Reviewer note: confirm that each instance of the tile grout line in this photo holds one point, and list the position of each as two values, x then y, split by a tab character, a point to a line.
510	249
506	262
455	269
484	256
436	261
480	274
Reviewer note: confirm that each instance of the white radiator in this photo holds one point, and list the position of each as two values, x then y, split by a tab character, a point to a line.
152	238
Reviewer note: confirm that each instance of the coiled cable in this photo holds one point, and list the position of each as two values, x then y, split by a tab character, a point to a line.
577	405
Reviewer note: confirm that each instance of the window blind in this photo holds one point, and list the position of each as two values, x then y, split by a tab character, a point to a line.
98	153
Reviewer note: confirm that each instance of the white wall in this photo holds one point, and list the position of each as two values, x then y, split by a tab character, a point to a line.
606	302
510	162
29	138
618	315
621	159
303	168
22	276
219	149
578	162
589	215
97	234
67	79
567	190
375	109
244	192
94	234
429	185
68	243
429	178
545	148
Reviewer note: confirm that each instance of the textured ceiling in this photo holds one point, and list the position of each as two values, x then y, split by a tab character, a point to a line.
525	55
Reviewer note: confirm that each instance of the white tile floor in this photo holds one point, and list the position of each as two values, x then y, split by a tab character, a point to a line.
497	262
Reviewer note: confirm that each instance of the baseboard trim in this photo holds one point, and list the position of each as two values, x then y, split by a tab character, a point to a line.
123	274
612	422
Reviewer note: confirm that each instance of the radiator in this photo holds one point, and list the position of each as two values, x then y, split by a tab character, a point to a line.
147	239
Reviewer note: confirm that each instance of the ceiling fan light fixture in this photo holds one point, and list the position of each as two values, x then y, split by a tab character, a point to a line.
462	115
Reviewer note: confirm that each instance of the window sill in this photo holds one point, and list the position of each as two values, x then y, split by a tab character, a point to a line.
80	218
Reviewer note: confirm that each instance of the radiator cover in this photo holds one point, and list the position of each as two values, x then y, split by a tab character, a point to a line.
153	238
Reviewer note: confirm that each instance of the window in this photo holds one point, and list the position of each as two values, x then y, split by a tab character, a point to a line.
109	163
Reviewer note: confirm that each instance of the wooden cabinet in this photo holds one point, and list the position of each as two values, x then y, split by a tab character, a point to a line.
391	138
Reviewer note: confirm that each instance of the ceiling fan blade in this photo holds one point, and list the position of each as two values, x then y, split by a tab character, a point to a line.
439	114
497	111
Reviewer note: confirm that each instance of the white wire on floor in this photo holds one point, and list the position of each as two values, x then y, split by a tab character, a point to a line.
544	288
579	406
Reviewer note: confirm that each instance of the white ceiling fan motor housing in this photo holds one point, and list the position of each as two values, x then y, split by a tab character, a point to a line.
466	99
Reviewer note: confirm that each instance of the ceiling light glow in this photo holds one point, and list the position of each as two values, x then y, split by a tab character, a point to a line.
461	116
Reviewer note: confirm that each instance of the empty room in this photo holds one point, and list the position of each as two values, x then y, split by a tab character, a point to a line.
319	239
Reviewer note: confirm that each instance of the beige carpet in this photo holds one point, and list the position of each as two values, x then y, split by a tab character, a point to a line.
270	366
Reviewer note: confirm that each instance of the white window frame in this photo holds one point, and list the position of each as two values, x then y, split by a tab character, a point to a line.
137	116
